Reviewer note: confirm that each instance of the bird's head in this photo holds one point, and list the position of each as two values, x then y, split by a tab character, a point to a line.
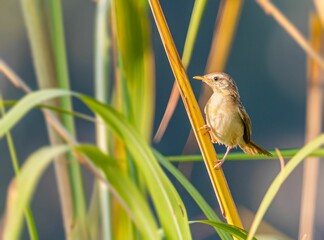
219	82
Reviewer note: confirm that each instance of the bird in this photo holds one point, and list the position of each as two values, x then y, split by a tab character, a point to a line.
228	123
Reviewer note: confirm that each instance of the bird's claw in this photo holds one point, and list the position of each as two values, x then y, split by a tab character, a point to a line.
219	163
207	129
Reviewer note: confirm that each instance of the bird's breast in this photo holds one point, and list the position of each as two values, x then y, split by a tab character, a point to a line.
223	117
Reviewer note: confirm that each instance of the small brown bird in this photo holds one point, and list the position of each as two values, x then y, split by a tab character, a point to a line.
227	121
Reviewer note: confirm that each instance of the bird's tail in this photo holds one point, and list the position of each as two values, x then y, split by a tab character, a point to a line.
252	148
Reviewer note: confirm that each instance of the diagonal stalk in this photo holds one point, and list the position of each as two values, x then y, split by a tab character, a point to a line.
216	175
282	20
191	37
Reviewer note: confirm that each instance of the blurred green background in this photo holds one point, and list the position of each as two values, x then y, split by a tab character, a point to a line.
269	69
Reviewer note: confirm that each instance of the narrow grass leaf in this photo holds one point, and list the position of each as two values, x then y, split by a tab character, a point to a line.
287	153
25	105
168	204
236	232
94	213
135	46
61	76
201	202
169	207
279	180
12	150
24	187
134	202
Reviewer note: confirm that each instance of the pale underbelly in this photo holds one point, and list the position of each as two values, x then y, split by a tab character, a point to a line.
227	127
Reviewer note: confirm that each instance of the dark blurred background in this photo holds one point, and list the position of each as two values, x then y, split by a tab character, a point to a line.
269	69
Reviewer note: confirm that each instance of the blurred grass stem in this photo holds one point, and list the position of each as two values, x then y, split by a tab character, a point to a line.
51	118
62	81
43	60
319	5
101	94
272	10
314	111
288	153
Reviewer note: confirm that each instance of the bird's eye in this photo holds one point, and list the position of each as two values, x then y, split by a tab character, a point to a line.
216	78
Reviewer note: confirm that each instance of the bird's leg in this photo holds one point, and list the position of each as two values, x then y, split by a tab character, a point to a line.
207	129
220	162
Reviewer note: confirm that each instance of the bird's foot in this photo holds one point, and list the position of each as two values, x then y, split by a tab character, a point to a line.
219	163
207	129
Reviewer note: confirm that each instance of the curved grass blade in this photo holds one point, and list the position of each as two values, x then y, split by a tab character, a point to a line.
237	232
168	204
169	207
134	86
11	103
33	234
34	166
25	105
44	25
134	202
279	180
24	186
286	153
201	202
134	44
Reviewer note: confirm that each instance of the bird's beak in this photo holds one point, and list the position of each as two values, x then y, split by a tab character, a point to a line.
199	78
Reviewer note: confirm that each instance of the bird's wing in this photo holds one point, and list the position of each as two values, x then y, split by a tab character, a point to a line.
206	115
246	122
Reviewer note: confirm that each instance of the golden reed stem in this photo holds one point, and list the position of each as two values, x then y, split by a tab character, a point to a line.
208	152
